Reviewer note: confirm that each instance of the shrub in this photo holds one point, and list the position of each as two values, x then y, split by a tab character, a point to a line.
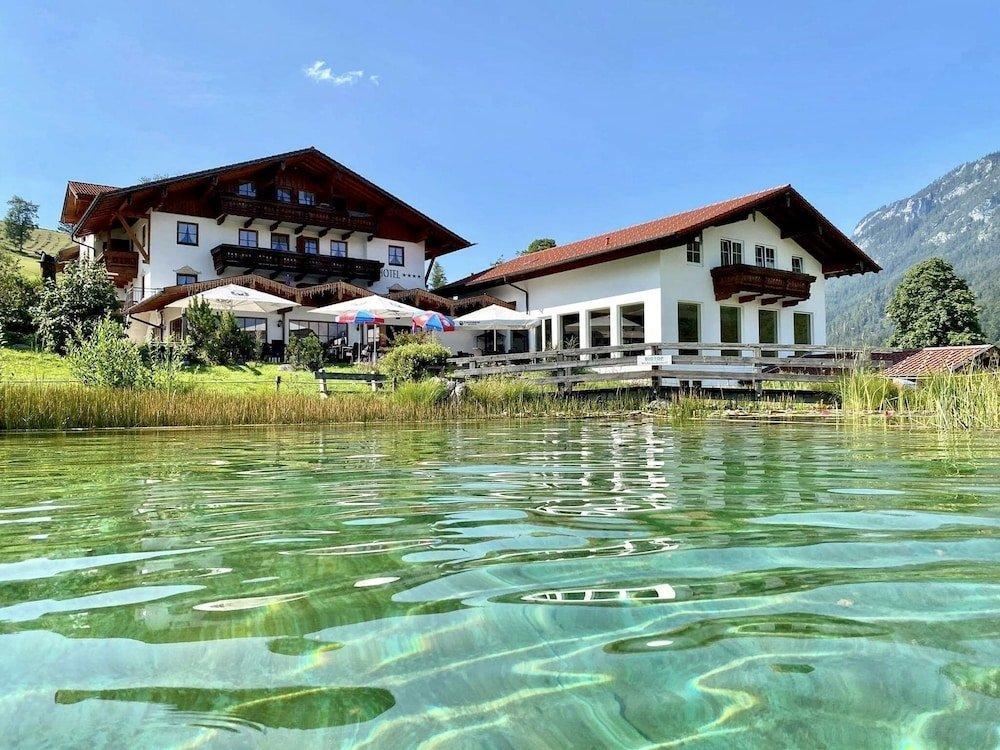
305	352
230	344
17	293
106	358
414	361
75	303
166	359
202	323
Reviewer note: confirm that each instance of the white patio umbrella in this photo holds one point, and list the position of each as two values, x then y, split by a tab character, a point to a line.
371	310
236	298
496	318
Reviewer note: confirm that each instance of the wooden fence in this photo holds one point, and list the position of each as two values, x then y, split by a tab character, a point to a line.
741	365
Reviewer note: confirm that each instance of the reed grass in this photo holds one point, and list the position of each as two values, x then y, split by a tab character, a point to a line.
40	406
968	401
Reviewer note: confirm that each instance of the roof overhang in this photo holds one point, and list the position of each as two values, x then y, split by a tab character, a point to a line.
137	200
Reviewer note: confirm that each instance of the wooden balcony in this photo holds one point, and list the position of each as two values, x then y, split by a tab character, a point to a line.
300	265
292	213
122	265
768	286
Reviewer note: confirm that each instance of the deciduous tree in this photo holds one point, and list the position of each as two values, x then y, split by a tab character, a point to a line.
933	306
21	220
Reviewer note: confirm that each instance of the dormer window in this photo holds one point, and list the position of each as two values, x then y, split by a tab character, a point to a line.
307	198
284	195
246	190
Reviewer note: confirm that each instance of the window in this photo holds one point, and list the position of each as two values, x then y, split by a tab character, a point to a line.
570	325
187	278
395	255
767	330
599	322
633	327
247	190
546	329
280	242
187	233
694	251
324	331
307	198
283	194
518	342
802	328
338	248
729	323
257	326
688	325
732	252
765	256
310	245
248	238
797	264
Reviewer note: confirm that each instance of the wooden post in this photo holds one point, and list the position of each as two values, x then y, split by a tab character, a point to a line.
323	390
277	384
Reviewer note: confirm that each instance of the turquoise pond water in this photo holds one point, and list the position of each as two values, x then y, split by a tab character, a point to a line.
547	584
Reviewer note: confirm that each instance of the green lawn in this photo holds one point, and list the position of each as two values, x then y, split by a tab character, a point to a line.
27	366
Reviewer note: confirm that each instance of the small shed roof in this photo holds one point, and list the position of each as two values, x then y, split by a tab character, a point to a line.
914	363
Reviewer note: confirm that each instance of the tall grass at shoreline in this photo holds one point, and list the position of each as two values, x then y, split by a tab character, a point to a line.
62	407
945	401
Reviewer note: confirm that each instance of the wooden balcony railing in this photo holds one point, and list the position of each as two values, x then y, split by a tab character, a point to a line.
299	264
293	213
123	265
769	285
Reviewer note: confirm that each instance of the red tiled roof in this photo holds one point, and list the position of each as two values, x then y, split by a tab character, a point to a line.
916	362
643	238
89	188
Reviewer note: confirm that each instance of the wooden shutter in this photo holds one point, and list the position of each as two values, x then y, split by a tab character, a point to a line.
300	244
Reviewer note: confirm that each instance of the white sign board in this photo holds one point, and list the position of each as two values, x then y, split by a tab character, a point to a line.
655	360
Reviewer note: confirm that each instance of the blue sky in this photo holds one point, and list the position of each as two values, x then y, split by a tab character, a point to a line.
514	120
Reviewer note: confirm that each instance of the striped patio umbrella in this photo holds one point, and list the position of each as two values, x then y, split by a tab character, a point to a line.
433	321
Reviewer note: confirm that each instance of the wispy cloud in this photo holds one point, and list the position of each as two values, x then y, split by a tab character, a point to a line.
320	71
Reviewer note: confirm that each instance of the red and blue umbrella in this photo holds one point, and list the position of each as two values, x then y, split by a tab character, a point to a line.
433	321
362	317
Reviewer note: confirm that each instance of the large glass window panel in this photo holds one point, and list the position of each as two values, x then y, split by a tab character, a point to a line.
688	325
767	330
633	325
570	325
599	323
729	322
802	325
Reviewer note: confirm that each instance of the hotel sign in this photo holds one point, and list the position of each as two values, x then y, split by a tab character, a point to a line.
655	360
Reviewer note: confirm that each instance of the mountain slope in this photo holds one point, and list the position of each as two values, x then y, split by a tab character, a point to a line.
956	217
48	241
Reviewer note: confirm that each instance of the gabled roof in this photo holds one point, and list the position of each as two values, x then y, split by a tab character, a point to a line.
782	204
105	201
914	363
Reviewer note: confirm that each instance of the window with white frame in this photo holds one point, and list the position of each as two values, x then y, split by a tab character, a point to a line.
765	256
732	252
694	251
338	248
797	264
